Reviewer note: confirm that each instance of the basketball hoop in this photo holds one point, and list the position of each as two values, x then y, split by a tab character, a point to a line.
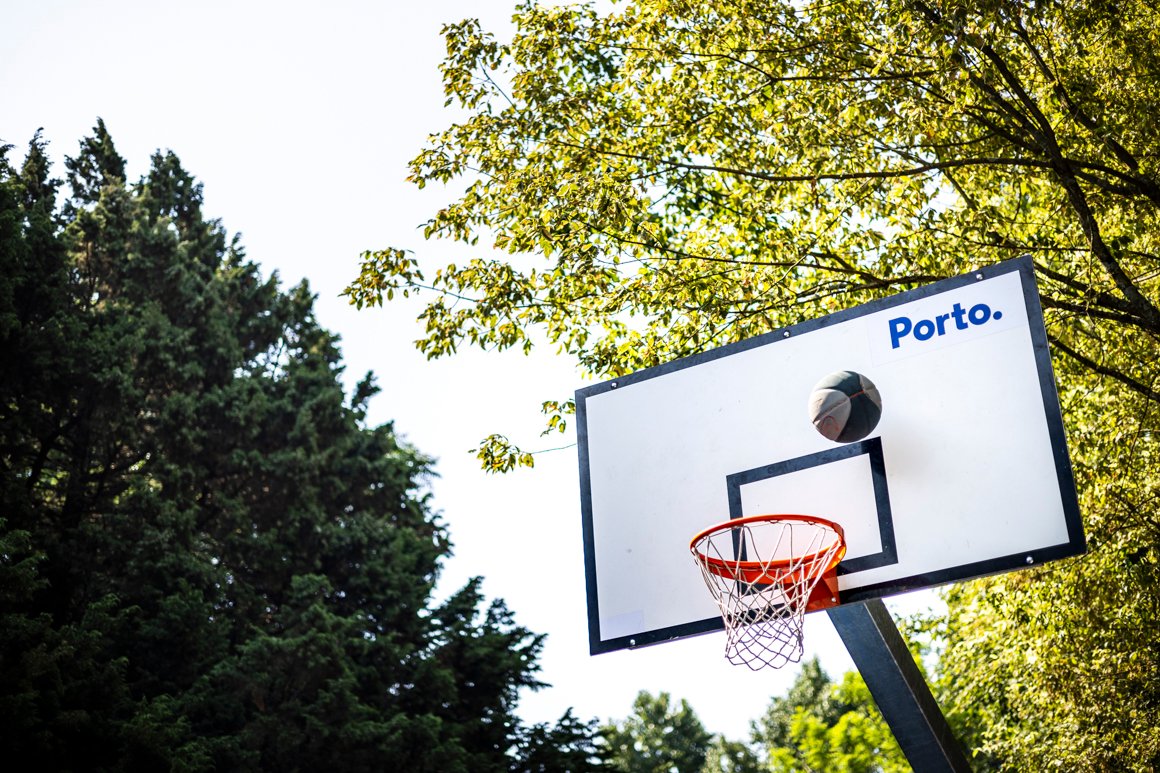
780	567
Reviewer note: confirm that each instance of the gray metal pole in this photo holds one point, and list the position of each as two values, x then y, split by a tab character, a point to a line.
898	687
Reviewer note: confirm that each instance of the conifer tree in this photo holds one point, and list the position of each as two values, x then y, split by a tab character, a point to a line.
208	559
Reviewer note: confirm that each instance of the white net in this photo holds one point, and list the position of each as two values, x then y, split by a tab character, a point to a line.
761	573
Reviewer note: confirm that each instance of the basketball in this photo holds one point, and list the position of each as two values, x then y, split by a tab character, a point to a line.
845	406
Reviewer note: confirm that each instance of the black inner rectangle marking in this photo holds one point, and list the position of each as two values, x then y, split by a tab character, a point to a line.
872	448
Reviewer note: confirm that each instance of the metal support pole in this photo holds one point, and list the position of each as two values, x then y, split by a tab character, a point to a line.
898	687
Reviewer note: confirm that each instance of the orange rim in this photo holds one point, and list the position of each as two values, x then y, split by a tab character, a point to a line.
809	565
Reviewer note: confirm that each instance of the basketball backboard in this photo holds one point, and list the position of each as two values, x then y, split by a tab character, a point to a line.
966	473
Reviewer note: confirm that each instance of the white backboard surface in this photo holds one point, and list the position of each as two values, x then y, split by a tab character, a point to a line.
966	474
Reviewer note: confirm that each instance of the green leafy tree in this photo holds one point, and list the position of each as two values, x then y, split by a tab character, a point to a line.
657	738
669	164
822	726
208	559
1061	664
725	756
673	175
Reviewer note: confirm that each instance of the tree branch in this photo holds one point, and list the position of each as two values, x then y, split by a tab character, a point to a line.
1104	370
1118	150
888	174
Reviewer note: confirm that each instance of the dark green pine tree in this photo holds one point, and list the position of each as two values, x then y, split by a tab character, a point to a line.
569	745
208	560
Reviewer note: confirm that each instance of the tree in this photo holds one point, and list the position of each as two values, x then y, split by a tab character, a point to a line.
822	726
208	560
571	745
678	174
816	726
1061	665
725	756
676	169
657	738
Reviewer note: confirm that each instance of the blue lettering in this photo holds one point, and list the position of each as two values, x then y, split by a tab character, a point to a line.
926	329
957	312
899	328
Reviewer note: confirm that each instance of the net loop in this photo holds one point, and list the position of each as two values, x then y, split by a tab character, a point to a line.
765	572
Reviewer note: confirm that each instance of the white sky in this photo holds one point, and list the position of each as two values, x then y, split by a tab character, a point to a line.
299	118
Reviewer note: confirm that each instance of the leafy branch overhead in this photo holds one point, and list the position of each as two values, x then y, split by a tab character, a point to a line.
689	183
497	453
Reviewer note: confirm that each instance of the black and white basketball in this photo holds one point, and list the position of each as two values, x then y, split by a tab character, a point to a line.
845	406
